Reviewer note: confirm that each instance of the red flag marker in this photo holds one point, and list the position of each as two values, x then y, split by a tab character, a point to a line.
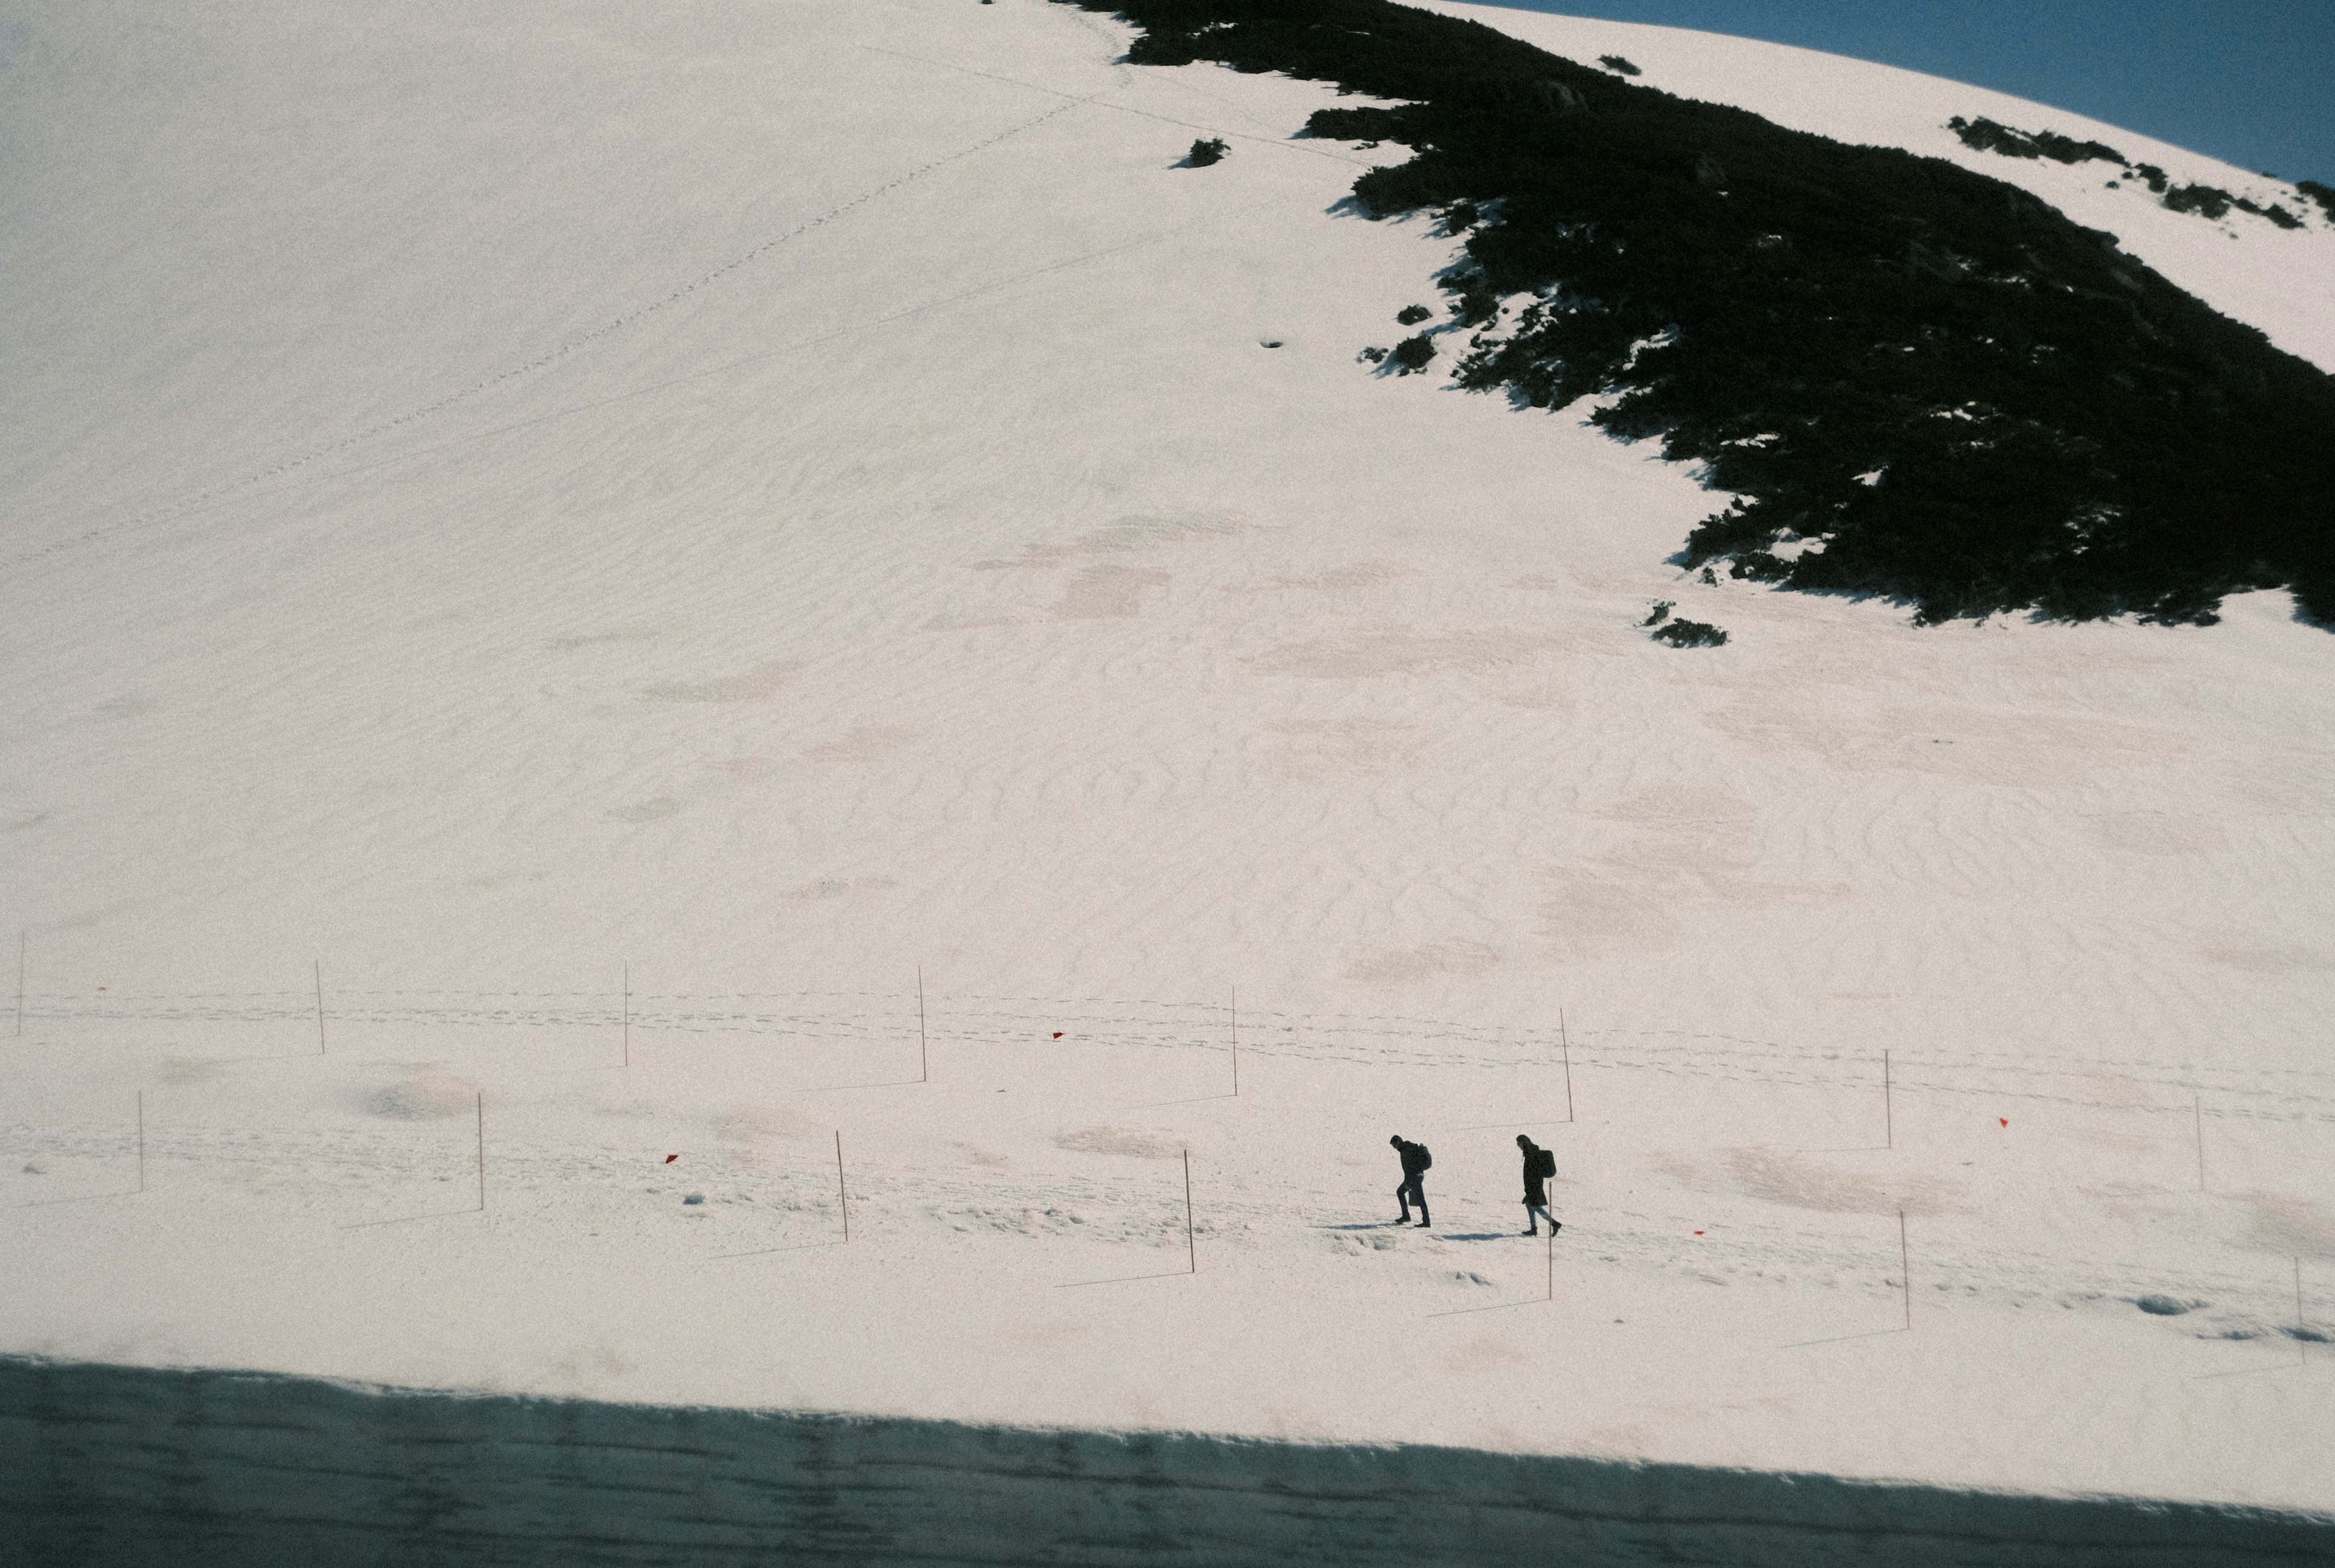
1698	1233
671	1157
2004	1119
1058	1034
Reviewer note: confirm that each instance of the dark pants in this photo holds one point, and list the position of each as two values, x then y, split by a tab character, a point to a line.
1413	1191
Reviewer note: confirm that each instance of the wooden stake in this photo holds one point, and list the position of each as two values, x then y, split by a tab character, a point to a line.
1566	1044
924	1052
1235	1033
2197	1109
628	1015
320	1007
841	1196
1888	1110
1191	1247
1905	1268
482	1151
141	1184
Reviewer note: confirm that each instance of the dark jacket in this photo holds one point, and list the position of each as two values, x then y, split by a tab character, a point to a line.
1536	1185
1414	1157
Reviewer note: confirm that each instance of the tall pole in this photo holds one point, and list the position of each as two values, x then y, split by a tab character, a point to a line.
924	1052
141	1188
482	1151
1888	1111
1564	1042
320	1007
2197	1110
1905	1269
1236	1034
629	1014
1191	1247
842	1197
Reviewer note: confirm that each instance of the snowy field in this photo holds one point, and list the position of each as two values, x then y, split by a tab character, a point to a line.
591	550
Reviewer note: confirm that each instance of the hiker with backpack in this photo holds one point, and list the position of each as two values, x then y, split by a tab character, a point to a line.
1539	1165
1415	1161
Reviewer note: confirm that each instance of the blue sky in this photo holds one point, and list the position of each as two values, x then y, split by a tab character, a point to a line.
2251	82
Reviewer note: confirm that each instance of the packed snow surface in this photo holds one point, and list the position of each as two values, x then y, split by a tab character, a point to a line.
593	549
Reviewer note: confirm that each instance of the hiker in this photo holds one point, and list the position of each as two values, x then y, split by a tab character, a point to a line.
1415	1161
1539	1165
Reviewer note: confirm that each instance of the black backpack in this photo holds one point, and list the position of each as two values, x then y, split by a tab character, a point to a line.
1544	1163
1425	1158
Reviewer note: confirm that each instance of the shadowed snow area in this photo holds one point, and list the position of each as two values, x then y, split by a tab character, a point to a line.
722	575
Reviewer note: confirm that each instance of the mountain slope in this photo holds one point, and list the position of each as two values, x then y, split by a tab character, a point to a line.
740	507
1924	384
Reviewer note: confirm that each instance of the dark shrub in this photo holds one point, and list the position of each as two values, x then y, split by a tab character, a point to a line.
2324	195
1988	136
1412	354
2204	201
1203	153
1684	633
1615	62
1412	314
1659	613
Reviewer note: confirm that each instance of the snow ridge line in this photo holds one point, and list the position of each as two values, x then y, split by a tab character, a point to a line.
208	497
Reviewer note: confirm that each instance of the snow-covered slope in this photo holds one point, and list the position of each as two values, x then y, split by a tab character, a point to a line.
782	498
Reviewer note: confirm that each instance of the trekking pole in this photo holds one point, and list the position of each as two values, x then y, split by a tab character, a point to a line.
924	1054
1552	1260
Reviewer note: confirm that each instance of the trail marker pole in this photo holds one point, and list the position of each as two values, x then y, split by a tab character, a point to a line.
1191	1247
923	1051
1235	1035
1888	1111
842	1197
1565	1045
628	1015
482	1151
141	1188
320	1007
2301	1345
1906	1269
2197	1110
22	938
